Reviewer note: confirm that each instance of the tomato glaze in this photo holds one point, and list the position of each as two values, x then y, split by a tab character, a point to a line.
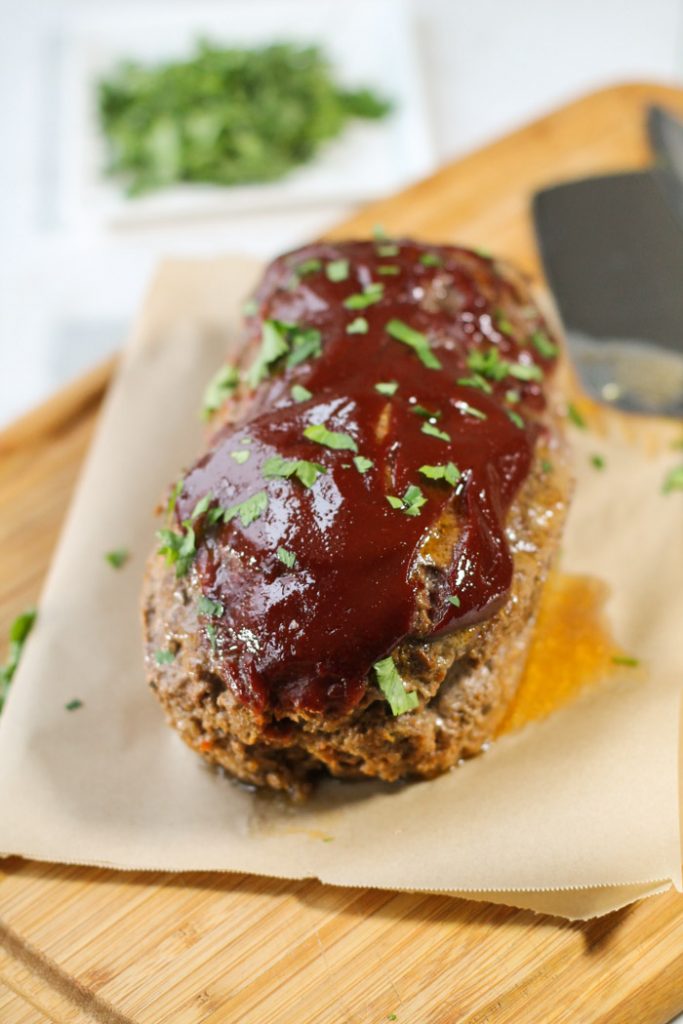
367	575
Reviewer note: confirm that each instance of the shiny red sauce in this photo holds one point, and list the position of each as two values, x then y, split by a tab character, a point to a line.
307	636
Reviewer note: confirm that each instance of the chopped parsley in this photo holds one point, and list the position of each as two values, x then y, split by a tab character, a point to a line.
388	270
73	705
20	629
357	326
673	480
488	363
373	292
431	259
515	418
18	633
214	515
448	472
512	396
362	464
525	371
387	387
387	249
546	466
426	414
471	410
240	456
415	340
454	600
475	381
227	115
306	344
212	635
219	388
543	345
299	393
178	548
625	659
329	438
173	496
502	323
576	417
118	557
201	507
432	431
393	687
274	345
287	558
164	657
337	270
311	266
249	510
212	609
306	472
598	461
411	502
279	339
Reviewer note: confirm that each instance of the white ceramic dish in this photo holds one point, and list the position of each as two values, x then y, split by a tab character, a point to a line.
369	42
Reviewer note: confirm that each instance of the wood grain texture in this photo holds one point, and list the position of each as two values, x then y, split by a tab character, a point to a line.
81	944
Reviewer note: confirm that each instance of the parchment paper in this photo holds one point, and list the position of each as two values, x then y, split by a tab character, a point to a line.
576	815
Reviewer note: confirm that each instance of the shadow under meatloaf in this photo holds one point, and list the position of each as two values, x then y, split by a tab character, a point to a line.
465	681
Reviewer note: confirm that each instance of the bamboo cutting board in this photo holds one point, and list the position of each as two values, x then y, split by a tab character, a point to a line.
80	945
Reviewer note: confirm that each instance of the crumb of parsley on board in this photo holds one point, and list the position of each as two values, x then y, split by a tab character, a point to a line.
117	558
673	480
224	116
18	632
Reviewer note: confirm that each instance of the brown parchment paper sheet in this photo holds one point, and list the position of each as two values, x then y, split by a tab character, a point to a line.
576	815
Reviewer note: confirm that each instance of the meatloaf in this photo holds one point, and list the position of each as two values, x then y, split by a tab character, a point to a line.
348	576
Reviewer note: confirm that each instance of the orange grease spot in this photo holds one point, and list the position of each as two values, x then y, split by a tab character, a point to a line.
572	649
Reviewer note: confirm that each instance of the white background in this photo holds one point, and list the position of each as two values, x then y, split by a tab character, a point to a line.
68	296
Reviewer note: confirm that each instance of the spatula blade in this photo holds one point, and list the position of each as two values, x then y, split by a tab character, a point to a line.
612	251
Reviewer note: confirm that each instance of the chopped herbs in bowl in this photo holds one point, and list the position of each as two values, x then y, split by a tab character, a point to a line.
224	116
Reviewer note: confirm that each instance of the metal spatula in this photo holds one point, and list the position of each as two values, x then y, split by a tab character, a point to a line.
612	249
666	138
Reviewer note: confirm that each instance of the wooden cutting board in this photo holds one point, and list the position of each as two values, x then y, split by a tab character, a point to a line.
80	944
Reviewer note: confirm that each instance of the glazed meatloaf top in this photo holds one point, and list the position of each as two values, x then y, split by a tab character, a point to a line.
384	415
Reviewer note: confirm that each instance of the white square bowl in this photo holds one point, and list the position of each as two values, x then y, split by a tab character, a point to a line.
369	43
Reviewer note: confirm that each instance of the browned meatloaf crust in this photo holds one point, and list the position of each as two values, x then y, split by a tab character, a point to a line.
465	680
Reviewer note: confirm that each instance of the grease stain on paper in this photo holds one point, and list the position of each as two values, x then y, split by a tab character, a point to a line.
572	649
